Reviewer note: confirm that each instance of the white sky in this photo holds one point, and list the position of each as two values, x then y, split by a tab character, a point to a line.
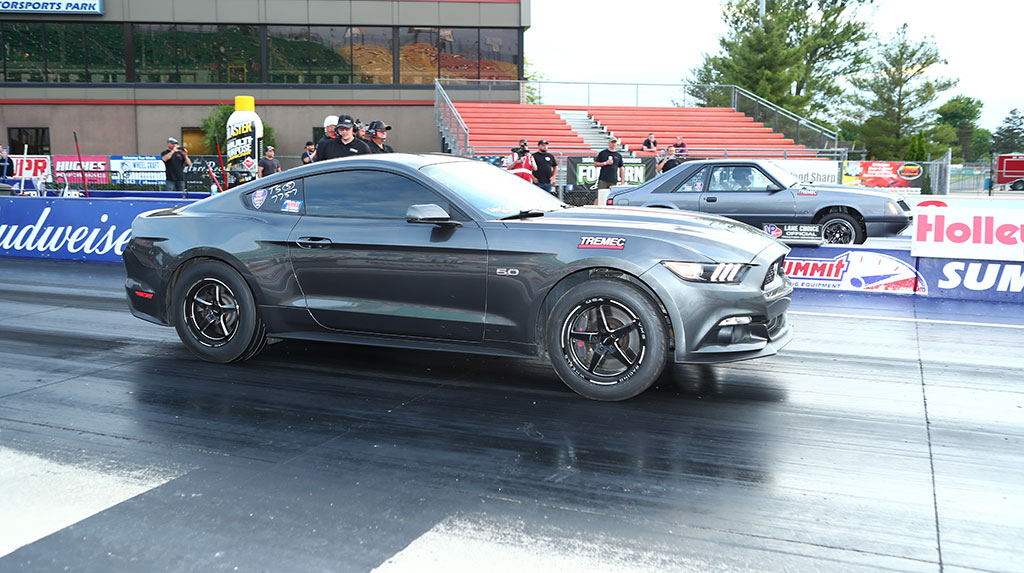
659	41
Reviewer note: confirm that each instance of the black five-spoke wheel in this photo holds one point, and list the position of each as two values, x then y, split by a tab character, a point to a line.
607	340
215	313
841	229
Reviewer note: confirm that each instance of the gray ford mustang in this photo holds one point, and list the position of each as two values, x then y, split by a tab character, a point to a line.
760	193
443	253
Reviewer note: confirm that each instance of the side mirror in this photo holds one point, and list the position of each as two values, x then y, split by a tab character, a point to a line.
430	214
772	188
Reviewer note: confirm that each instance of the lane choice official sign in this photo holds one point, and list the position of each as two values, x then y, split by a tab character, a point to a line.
52	7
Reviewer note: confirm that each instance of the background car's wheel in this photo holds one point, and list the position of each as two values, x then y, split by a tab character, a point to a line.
215	313
1017	185
841	229
607	340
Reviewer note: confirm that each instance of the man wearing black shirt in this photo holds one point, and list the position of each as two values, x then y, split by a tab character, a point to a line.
329	123
378	132
610	162
649	144
547	166
175	159
669	161
345	145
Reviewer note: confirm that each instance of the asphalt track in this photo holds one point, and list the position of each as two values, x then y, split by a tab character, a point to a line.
888	436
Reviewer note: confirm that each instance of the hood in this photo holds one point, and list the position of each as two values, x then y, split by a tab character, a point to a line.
718	238
856	189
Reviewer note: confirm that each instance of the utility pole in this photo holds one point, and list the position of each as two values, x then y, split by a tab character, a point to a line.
760	14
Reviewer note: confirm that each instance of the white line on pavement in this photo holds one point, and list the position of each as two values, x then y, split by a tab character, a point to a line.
903	319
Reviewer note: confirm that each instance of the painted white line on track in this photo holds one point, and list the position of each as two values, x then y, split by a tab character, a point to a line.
904	319
41	497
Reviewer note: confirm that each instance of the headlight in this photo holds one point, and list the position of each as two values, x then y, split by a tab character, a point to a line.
708	272
893	209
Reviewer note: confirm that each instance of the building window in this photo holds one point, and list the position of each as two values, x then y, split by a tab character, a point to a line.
65	53
198	54
24	51
37	139
156	58
460	53
499	54
240	46
418	55
373	55
104	51
289	52
330	54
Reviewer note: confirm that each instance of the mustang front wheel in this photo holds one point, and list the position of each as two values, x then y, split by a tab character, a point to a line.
607	340
215	313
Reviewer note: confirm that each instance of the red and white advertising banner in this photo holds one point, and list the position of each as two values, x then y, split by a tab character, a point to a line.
952	233
67	168
883	174
33	167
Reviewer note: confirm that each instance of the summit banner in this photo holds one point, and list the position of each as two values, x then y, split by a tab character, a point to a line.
52	7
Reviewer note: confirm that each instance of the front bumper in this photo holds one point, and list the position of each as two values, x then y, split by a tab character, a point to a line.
890	227
697	310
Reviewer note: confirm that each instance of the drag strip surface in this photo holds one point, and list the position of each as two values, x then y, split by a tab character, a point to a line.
868	444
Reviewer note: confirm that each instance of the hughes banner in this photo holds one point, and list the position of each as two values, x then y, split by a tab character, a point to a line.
73	229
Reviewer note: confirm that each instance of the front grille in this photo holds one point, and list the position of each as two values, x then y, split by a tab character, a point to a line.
776	268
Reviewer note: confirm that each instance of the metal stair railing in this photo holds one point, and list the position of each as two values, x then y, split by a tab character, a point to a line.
449	123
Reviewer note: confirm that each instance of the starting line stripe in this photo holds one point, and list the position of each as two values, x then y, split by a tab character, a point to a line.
901	319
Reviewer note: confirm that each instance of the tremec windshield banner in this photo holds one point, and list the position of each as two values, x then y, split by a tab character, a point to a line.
581	173
71	229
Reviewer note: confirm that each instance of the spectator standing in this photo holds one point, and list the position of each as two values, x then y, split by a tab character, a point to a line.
680	148
545	166
330	123
669	160
309	153
360	131
269	165
610	162
649	144
346	144
6	164
378	132
175	159
520	163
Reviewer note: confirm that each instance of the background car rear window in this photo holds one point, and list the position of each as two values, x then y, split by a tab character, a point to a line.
366	195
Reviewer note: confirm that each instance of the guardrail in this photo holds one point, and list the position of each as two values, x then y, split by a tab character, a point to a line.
452	129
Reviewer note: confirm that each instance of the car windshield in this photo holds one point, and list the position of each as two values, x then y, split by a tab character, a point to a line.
783	176
491	190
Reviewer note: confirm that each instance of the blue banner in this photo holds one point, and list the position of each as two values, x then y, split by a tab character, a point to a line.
71	229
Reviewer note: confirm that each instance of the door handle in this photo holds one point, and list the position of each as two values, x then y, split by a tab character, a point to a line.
313	242
711	199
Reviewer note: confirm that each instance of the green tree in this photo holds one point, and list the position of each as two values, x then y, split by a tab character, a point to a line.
896	92
1009	138
531	92
216	124
981	145
962	113
795	57
917	150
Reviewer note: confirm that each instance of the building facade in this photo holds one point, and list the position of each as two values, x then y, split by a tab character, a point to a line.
127	74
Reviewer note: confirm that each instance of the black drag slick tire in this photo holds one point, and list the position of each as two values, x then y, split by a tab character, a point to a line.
215	313
1017	185
841	229
607	340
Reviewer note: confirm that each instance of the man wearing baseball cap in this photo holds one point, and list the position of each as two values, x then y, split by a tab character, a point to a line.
269	165
346	144
378	132
546	168
329	123
175	160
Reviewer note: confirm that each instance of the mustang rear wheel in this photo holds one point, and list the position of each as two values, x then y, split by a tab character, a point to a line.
607	340
215	313
841	229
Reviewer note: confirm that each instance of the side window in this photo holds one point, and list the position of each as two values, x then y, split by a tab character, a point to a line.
694	183
282	198
366	195
739	178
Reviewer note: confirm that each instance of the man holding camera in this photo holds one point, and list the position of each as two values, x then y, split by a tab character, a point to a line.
175	158
520	162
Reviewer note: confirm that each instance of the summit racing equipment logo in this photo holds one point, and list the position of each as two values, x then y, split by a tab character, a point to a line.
982	276
615	243
856	271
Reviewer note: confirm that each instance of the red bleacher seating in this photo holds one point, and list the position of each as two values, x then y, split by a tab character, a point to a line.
494	128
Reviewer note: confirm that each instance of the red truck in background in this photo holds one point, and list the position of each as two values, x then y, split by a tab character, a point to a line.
1010	170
